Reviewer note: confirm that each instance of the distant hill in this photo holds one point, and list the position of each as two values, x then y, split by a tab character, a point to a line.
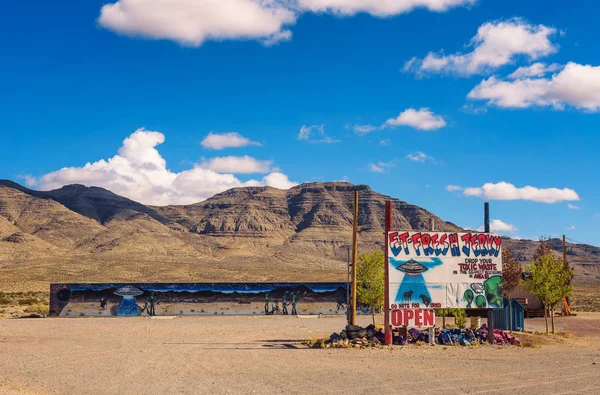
89	234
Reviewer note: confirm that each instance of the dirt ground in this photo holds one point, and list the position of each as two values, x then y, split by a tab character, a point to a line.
264	355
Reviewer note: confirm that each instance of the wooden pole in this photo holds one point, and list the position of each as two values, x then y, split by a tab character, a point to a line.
348	274
354	259
431	330
490	316
386	311
566	307
565	264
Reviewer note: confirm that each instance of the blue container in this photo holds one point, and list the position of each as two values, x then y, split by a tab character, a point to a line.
501	317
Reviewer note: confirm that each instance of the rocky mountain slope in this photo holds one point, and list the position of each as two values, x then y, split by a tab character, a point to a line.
83	234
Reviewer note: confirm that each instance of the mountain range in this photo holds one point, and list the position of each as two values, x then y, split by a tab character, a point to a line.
89	234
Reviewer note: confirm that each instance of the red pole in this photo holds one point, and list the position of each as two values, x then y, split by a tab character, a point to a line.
388	228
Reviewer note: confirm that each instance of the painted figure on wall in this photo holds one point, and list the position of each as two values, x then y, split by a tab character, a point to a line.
267	303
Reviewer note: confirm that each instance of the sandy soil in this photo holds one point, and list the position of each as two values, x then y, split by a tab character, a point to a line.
263	355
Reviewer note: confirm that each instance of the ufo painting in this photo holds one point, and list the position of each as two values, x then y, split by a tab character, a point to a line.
412	268
128	306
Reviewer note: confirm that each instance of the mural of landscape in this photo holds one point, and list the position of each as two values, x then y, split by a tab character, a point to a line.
194	299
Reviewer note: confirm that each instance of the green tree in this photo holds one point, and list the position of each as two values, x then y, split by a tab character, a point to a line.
549	281
511	276
370	276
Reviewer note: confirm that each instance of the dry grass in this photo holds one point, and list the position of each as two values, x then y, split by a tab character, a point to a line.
586	298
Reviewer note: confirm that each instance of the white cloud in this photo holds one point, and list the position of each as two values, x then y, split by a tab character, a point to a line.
278	180
496	44
420	157
380	8
576	85
497	225
315	134
538	69
573	207
381	167
376	169
30	180
139	172
364	129
572	227
385	142
471	109
237	165
506	191
218	141
454	188
191	22
422	119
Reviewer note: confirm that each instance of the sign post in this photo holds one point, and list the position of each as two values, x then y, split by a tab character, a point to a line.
388	228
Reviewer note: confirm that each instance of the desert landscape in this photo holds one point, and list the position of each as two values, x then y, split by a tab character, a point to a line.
80	234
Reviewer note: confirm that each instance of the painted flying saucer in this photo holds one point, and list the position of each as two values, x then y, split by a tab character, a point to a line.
412	268
128	290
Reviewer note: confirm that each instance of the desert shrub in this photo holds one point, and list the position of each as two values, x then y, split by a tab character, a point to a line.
4	301
28	301
460	317
37	309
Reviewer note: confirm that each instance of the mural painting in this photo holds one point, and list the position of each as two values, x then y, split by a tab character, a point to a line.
445	270
204	299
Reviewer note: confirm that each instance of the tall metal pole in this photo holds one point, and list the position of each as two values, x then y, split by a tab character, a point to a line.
386	311
486	217
354	258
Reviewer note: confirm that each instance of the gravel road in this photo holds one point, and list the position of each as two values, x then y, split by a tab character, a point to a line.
262	355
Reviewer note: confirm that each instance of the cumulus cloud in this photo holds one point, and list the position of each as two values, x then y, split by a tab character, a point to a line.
420	157
191	22
237	165
315	134
363	129
381	167
30	180
140	173
497	225
506	191
496	44
379	8
538	69
221	141
422	119
575	85
454	188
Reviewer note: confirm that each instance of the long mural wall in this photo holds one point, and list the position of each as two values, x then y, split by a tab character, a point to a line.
197	299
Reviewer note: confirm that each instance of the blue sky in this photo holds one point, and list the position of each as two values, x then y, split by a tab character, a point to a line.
79	79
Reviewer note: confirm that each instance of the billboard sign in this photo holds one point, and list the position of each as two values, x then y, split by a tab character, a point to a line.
444	270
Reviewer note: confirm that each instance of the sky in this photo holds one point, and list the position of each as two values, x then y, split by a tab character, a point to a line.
441	103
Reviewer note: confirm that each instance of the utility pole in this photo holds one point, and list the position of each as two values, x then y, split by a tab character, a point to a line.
386	265
565	264
354	253
490	316
566	307
348	274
